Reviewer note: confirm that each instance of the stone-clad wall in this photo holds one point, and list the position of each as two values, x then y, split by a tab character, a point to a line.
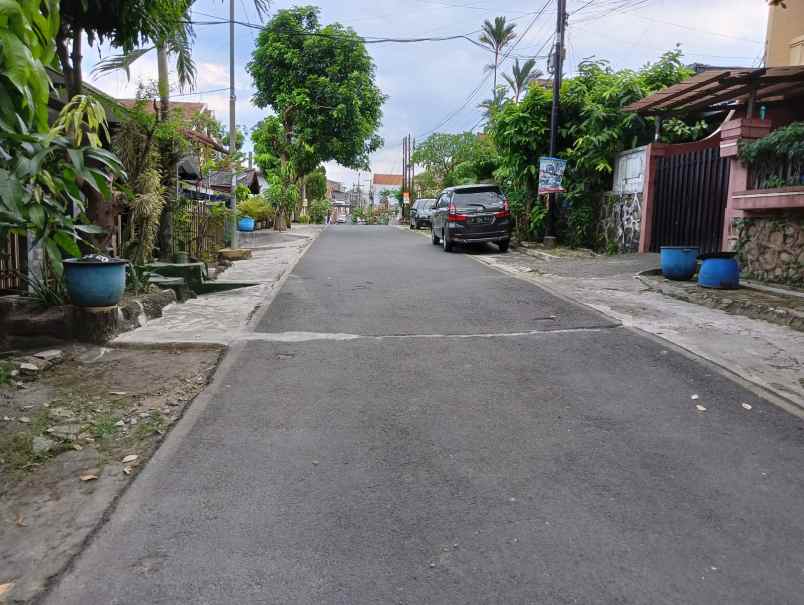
771	249
620	222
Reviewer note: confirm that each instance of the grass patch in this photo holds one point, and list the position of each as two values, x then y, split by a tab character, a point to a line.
5	372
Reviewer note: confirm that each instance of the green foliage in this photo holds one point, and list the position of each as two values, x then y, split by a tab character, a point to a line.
521	77
145	210
47	291
47	179
315	184
283	194
26	32
452	159
319	81
778	157
594	128
256	207
319	209
242	193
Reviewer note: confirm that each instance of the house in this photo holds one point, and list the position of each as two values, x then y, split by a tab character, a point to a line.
384	182
784	43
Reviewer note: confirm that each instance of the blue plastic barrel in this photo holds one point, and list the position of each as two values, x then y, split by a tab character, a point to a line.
719	271
245	224
679	262
95	284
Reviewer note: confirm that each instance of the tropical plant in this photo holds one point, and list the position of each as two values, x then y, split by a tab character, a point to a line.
521	77
315	184
256	207
145	210
491	106
778	158
496	36
45	183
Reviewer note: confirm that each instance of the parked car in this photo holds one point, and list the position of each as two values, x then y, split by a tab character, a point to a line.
420	213
471	214
341	219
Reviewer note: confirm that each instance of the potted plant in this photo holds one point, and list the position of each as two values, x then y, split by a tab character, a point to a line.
95	280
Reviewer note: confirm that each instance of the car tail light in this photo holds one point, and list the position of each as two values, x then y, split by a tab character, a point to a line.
452	214
505	212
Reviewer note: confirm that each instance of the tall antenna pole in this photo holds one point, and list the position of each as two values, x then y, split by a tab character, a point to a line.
558	64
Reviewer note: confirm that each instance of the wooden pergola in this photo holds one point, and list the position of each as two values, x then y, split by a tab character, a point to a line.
724	88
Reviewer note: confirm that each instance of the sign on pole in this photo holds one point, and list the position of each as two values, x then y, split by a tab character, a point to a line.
551	170
406	198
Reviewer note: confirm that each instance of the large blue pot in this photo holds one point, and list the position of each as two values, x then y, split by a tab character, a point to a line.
719	271
245	224
679	262
93	283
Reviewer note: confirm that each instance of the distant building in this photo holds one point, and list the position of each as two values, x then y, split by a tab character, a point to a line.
384	182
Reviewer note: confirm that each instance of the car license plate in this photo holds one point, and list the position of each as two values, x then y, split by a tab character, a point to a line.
481	220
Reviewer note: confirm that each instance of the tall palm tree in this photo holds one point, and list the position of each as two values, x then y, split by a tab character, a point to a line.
497	36
493	105
521	77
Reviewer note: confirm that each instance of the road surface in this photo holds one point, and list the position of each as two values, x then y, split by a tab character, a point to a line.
407	426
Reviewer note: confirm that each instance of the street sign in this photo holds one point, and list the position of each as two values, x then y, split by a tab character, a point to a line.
406	197
551	170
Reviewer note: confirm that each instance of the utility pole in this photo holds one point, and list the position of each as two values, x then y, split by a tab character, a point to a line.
232	126
558	64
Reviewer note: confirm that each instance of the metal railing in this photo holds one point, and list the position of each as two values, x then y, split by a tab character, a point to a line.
13	263
789	173
199	228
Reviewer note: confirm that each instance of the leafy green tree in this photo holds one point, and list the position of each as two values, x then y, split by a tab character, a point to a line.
496	36
319	81
315	184
521	77
442	154
319	209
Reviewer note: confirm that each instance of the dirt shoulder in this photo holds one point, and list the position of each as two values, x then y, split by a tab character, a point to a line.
72	436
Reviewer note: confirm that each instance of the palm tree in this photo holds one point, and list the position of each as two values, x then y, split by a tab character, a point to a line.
497	36
521	77
493	105
177	43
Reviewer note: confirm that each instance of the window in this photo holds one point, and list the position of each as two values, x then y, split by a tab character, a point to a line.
485	198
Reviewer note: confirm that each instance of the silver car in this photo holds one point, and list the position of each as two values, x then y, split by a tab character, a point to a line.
421	212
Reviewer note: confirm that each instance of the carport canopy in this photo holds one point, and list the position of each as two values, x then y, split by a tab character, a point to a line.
718	88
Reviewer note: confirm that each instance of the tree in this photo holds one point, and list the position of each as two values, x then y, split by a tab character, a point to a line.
451	159
497	36
125	24
494	104
315	184
319	82
521	77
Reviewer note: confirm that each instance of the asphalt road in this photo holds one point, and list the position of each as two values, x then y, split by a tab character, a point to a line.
474	440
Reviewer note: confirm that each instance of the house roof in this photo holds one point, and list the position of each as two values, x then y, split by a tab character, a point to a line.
715	87
394	180
188	108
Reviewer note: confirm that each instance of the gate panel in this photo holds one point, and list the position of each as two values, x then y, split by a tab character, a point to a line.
691	191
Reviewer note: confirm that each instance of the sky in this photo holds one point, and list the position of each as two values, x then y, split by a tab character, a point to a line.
438	85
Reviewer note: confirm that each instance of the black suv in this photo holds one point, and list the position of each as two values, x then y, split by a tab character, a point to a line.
420	213
471	214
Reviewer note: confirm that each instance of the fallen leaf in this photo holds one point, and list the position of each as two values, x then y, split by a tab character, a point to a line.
694	397
88	477
21	521
700	408
4	588
130	458
747	406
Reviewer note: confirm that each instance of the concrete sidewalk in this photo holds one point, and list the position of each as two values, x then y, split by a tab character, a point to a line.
223	317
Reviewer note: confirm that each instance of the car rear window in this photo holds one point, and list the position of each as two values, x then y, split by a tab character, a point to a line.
473	198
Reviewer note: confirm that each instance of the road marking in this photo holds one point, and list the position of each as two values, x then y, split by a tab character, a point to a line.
293	337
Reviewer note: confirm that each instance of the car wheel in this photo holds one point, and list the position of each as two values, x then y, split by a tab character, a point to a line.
503	244
445	242
434	237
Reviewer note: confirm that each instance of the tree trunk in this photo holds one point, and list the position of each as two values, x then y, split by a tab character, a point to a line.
70	60
164	81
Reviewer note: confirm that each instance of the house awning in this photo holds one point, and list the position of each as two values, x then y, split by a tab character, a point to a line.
717	87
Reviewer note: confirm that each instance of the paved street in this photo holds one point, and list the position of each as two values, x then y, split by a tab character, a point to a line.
409	426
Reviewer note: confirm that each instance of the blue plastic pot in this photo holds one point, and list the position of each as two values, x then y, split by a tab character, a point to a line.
93	283
719	271
245	224
679	262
